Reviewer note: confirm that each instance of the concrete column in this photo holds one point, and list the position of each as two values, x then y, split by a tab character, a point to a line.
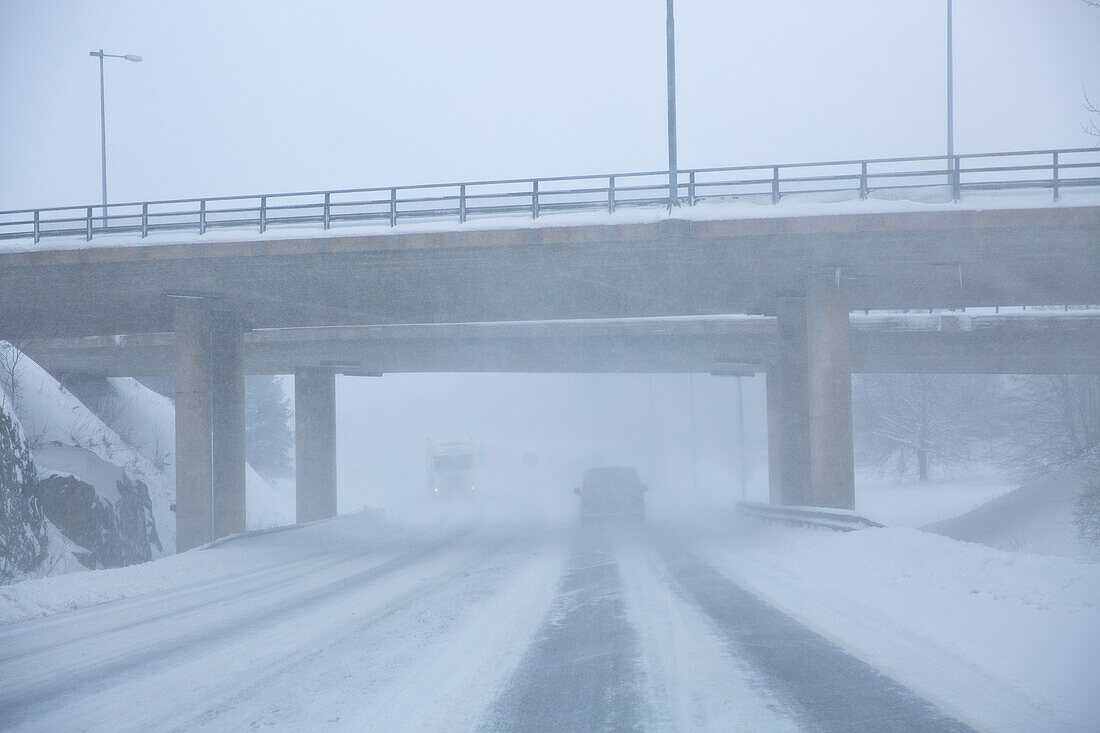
193	437
227	388
315	443
775	434
832	471
788	405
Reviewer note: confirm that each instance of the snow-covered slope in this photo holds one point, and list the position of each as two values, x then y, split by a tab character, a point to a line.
908	504
1037	517
146	420
68	439
121	432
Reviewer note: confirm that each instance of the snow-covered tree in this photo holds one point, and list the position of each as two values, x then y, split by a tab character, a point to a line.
268	437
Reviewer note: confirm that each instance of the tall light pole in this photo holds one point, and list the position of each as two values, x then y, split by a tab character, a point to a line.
103	118
950	95
741	439
670	53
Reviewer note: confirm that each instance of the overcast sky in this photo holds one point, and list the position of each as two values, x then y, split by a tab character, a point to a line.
248	97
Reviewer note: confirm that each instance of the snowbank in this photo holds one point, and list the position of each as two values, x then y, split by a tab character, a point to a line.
1037	517
917	504
1004	640
223	560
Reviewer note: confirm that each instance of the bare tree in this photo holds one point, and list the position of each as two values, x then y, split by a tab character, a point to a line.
1049	421
1092	127
927	423
10	356
1086	514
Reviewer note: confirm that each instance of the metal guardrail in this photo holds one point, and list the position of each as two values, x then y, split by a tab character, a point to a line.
1055	170
808	516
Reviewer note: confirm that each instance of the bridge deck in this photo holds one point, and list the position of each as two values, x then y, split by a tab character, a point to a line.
669	267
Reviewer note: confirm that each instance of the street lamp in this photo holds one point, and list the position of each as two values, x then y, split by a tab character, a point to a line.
103	117
670	69
950	95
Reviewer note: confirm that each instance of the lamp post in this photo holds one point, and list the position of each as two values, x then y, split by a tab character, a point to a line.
741	439
950	95
670	57
103	118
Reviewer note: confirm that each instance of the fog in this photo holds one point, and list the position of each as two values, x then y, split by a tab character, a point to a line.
534	435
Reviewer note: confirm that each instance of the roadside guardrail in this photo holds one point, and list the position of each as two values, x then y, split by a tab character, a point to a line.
842	520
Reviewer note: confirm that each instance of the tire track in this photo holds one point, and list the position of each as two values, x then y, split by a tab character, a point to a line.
583	671
39	635
825	687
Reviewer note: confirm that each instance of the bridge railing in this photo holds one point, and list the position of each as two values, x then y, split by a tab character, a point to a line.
931	178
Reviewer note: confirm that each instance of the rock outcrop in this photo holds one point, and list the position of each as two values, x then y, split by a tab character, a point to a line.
23	537
113	534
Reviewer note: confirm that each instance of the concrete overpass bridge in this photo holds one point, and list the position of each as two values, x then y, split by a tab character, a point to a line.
353	301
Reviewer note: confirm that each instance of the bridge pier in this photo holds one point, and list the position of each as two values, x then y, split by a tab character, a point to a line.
194	447
315	443
227	398
788	404
809	399
210	463
832	463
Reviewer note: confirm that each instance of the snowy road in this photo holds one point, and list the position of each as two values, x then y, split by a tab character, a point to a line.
457	627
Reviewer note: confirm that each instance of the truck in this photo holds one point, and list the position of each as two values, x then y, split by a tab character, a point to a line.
451	470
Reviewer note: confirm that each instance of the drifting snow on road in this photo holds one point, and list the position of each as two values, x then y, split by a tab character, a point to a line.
406	635
355	624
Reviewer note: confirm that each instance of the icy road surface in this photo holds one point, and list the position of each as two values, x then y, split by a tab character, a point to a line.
461	626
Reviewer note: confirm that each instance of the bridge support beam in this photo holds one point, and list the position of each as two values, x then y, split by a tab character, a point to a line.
210	461
315	443
788	404
832	471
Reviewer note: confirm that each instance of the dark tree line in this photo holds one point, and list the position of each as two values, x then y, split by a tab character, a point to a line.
269	440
